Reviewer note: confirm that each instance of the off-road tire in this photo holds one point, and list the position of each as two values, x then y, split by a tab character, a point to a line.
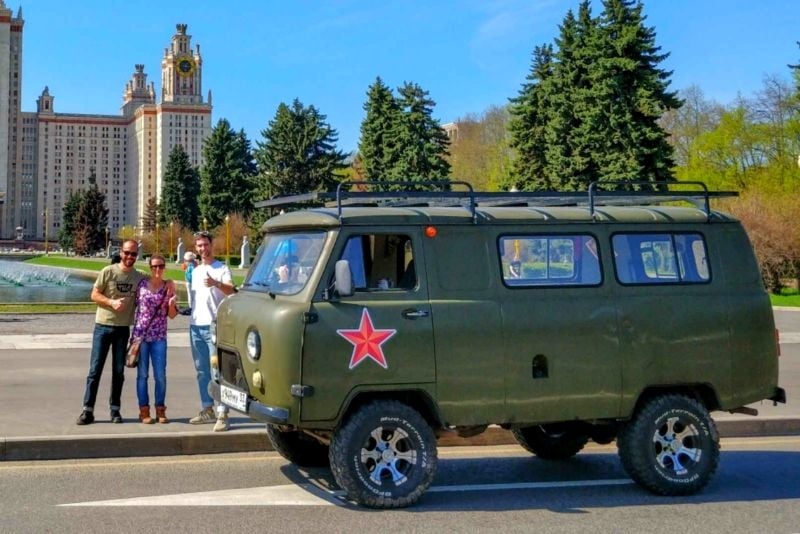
298	447
670	446
384	456
557	441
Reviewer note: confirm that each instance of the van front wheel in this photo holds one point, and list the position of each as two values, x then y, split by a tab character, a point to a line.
384	456
670	446
556	441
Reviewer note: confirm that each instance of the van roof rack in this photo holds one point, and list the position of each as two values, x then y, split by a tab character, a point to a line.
622	194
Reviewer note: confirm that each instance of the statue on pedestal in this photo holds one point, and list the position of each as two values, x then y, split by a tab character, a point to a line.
245	254
180	251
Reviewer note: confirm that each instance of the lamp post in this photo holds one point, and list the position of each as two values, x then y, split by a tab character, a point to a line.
46	251
205	224
227	240
158	248
107	250
171	248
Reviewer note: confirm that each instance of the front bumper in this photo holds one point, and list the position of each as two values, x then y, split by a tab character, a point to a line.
255	410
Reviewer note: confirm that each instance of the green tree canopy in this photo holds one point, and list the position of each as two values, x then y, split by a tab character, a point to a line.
376	144
298	153
226	177
180	191
420	146
590	109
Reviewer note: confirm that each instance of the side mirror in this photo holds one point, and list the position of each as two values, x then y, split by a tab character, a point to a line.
343	280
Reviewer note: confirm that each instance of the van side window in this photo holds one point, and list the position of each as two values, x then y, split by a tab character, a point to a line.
381	261
660	258
549	260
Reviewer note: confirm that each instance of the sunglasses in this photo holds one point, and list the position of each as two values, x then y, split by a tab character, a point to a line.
157	266
129	253
202	234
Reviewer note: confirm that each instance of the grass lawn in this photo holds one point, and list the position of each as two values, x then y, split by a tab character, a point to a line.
788	298
173	271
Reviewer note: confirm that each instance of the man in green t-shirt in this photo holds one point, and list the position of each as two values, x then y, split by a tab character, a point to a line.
114	292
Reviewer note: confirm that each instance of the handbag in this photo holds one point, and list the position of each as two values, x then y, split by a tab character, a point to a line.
134	343
132	354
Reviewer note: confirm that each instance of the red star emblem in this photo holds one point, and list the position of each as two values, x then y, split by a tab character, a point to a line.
367	341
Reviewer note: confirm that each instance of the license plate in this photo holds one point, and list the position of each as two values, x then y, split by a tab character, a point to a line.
233	397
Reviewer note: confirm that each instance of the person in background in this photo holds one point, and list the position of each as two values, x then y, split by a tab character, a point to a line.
115	258
114	293
211	282
189	263
153	306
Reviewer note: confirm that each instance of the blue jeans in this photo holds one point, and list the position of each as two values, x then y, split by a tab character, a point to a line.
202	349
106	337
155	351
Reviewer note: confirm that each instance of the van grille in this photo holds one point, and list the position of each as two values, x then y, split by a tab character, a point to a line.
230	367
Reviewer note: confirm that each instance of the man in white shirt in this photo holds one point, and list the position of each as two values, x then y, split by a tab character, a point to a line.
211	282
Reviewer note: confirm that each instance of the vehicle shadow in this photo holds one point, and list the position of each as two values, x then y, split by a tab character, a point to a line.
742	476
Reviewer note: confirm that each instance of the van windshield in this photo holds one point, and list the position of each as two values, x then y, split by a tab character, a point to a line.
285	262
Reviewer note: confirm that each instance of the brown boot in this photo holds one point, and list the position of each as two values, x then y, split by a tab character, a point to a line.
144	415
161	414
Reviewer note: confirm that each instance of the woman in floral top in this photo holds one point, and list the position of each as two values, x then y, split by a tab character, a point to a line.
153	306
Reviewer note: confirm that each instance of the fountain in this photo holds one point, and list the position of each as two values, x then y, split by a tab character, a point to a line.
20	282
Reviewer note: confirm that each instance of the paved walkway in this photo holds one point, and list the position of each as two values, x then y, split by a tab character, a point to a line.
45	358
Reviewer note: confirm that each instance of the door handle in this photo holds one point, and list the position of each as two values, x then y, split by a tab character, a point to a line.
412	313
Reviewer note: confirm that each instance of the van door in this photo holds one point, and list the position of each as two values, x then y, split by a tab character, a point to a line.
380	337
559	328
470	384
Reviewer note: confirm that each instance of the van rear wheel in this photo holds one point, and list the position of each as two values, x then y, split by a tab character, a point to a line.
298	447
384	456
556	441
671	446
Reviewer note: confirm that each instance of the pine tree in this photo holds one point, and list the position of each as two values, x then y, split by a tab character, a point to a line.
571	128
376	142
420	144
66	232
298	153
180	191
529	118
226	178
91	220
150	216
632	95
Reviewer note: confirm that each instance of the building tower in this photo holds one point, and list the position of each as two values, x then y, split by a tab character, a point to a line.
183	118
16	198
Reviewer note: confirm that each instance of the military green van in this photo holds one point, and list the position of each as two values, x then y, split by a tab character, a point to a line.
367	328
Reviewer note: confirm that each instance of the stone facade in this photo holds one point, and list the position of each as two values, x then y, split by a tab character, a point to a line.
51	155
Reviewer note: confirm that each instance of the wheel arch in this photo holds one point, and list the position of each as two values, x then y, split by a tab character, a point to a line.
703	393
417	399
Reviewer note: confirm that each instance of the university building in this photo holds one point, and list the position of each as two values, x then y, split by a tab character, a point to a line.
47	155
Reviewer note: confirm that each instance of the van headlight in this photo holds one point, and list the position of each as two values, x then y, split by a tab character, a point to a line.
253	345
213	330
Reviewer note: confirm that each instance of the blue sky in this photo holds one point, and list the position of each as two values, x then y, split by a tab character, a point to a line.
469	54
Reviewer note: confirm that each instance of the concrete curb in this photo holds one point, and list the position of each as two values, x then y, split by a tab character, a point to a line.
179	443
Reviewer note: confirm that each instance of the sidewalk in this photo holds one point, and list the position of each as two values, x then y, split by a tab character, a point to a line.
45	359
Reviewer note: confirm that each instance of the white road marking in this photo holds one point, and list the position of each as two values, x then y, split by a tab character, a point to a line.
70	341
312	495
288	495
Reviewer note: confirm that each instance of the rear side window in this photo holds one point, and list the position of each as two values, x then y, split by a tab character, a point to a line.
549	260
660	258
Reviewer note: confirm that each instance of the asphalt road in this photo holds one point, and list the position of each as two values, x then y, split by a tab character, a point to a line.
756	489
